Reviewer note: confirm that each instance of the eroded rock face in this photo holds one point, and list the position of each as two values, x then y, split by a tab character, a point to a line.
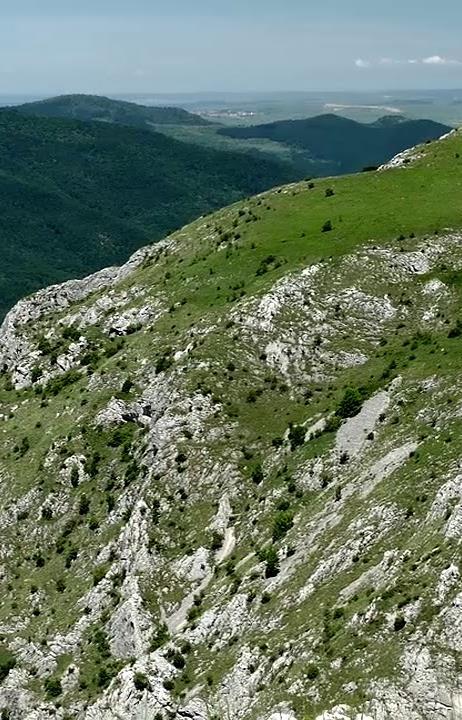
194	525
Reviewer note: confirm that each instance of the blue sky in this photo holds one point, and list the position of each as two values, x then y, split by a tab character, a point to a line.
234	45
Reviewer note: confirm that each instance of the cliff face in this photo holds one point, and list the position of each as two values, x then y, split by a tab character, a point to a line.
231	482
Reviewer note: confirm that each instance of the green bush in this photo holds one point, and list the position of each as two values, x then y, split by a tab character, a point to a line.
350	404
283	522
312	672
53	688
297	435
456	331
270	557
332	423
141	682
257	474
399	624
71	333
84	505
7	662
160	637
55	385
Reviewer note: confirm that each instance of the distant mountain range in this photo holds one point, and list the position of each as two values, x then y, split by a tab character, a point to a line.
347	144
102	109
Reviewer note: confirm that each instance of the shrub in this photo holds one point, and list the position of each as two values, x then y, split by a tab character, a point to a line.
53	687
332	424
159	638
44	346
177	659
101	643
36	374
141	682
312	672
98	574
283	522
217	541
351	403
399	624
74	476
7	662
84	505
163	363
70	557
91	464
264	265
330	192
456	331
55	385
127	385
257	474
297	435
327	227
71	333
270	557
24	447
103	678
47	512
193	613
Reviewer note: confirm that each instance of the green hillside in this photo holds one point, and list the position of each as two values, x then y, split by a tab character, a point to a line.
349	145
75	196
232	467
102	109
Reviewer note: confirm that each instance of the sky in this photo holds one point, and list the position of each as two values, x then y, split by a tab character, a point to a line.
140	46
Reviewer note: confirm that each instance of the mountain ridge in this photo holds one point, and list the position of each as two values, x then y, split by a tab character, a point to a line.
232	466
354	145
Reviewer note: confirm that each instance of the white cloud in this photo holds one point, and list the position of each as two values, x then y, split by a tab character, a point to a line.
435	60
438	60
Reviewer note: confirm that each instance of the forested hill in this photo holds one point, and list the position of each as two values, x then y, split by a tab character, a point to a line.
103	109
76	196
349	144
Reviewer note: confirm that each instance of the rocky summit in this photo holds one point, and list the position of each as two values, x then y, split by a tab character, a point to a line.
231	469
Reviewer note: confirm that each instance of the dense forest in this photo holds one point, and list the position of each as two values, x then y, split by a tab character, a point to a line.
352	146
77	196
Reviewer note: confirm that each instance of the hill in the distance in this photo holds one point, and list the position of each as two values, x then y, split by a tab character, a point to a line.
348	144
76	196
103	109
318	146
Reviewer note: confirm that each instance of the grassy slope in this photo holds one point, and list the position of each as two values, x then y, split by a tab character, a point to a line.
368	209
